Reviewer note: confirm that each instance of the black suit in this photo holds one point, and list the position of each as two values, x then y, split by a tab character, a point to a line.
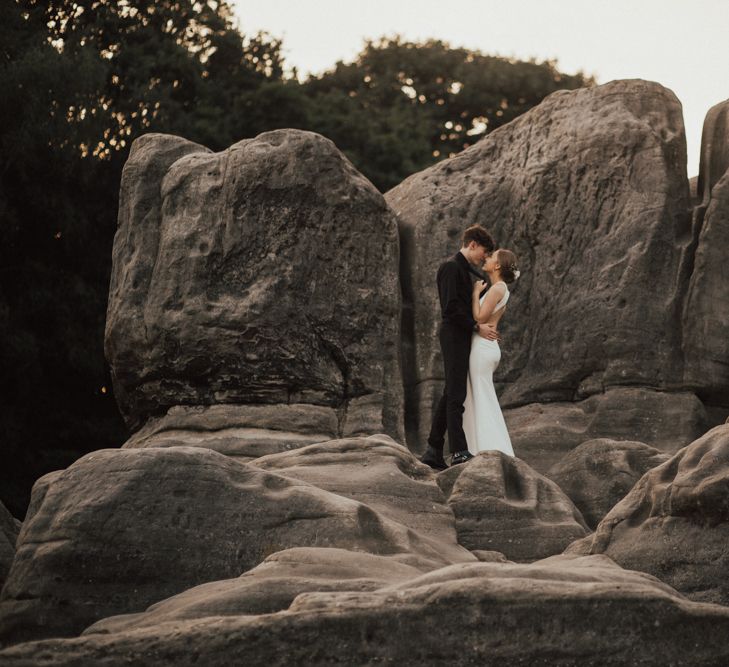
457	326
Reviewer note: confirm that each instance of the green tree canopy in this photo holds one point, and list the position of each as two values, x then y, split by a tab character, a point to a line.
80	81
403	105
169	66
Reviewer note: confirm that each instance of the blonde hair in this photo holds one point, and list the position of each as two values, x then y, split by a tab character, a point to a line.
507	261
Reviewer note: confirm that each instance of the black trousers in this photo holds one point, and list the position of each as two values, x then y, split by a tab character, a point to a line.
455	344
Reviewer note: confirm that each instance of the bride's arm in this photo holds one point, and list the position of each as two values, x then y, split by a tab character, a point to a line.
475	306
478	287
483	312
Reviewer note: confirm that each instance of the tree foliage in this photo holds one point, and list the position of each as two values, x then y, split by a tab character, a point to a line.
81	79
402	105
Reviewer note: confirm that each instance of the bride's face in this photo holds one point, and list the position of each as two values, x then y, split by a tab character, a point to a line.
491	263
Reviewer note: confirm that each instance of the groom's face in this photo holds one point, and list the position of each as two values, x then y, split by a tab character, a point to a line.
478	254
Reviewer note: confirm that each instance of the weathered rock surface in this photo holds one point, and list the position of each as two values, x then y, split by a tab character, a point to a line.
674	523
9	528
590	190
254	337
501	504
244	432
383	475
543	433
706	344
557	612
273	585
374	470
267	273
121	529
599	473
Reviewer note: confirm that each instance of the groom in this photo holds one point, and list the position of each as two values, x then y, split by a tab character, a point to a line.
457	326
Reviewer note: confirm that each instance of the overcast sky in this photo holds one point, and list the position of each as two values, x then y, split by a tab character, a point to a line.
682	44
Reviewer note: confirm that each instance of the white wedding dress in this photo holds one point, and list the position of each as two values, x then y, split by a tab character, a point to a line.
483	422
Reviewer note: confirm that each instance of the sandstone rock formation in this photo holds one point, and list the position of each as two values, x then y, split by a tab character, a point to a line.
599	473
121	529
264	274
589	189
254	335
273	585
543	433
558	612
674	523
706	313
502	505
244	432
383	475
9	528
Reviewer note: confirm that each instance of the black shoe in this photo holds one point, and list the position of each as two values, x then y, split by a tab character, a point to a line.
434	459
461	457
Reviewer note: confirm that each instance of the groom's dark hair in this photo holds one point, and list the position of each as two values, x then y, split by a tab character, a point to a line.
480	235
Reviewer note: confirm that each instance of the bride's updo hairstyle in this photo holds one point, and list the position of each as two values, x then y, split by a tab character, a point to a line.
509	268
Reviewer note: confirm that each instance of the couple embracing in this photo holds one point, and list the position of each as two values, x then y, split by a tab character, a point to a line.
469	409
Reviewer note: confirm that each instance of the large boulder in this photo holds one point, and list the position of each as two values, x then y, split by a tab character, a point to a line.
599	473
264	274
706	313
121	529
564	611
501	504
674	523
590	190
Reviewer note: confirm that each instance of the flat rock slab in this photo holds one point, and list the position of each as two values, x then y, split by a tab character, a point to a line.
234	277
674	523
244	432
568	612
599	473
589	189
121	529
501	504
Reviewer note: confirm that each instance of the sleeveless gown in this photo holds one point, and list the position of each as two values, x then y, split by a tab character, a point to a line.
483	422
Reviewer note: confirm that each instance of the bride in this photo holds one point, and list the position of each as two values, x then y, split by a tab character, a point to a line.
483	422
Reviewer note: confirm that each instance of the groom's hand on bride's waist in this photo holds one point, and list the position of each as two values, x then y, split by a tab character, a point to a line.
489	332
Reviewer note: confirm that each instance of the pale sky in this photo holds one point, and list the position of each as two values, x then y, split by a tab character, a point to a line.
681	44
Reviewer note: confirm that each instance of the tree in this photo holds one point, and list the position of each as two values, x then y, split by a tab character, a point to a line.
402	106
171	66
49	310
80	81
